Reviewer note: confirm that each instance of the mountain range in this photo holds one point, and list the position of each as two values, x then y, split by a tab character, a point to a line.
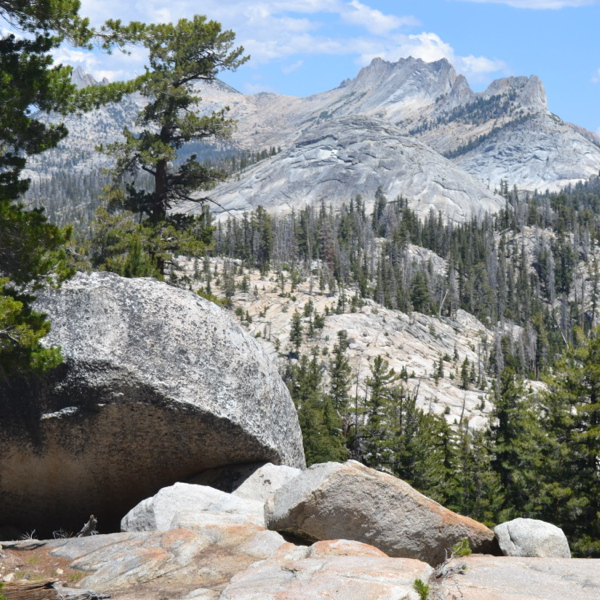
411	128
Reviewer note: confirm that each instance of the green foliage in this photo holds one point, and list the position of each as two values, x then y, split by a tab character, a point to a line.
461	549
122	244
31	254
296	331
319	421
572	418
180	55
422	589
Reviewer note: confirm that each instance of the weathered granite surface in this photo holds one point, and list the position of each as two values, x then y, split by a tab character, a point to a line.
350	501
158	384
532	537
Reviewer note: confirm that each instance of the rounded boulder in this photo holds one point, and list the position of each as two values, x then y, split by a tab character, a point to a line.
157	385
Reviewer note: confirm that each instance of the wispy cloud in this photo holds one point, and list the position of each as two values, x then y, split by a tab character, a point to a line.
374	20
539	4
291	68
289	31
596	76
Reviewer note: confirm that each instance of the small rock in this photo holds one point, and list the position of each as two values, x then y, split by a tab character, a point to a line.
531	537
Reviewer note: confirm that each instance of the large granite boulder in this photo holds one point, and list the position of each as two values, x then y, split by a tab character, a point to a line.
158	384
531	537
332	500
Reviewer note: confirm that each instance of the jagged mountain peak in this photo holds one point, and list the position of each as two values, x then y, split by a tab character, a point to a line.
407	73
527	91
82	79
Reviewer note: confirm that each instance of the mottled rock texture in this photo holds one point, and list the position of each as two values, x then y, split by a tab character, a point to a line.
157	385
531	537
157	513
167	564
266	481
351	501
356	572
508	578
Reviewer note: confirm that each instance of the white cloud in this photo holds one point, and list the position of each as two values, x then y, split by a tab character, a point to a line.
374	20
288	30
73	57
539	4
292	68
596	77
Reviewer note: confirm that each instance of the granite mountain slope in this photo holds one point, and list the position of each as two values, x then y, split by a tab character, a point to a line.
357	155
504	134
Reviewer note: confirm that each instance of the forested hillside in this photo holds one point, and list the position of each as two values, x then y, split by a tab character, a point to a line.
530	274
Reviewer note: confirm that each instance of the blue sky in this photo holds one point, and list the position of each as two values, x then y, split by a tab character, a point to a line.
309	46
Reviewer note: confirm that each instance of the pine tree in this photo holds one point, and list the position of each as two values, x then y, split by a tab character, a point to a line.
375	433
296	332
180	55
31	254
517	445
571	476
339	382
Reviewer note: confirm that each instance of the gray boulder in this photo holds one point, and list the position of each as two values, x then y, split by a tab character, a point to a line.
157	513
530	537
350	501
158	385
266	481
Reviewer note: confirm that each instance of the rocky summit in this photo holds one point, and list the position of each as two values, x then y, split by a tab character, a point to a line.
157	385
393	125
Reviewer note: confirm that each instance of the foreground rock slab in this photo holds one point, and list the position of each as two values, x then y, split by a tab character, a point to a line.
351	501
531	537
168	564
158	384
510	578
336	570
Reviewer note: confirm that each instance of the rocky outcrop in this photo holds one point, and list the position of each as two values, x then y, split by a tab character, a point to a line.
536	153
248	563
321	572
157	385
167	564
506	578
531	537
157	513
338	159
351	501
206	553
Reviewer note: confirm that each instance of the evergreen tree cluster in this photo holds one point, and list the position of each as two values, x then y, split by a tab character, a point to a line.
533	265
538	458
